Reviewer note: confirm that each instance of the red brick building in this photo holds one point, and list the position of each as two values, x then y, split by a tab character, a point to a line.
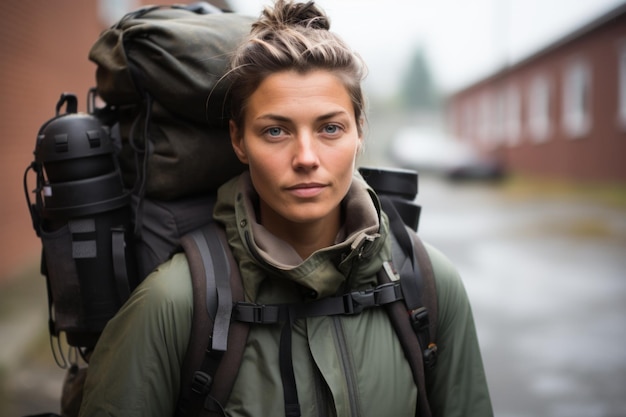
560	113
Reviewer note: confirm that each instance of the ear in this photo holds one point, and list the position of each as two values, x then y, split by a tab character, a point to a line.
236	139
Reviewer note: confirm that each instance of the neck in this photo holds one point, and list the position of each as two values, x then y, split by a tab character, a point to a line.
305	238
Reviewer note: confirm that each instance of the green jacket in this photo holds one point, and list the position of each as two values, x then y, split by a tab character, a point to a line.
344	365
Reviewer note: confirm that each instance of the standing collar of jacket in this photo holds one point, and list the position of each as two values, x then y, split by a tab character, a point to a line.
351	262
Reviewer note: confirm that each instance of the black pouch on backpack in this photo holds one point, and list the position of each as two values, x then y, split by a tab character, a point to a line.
82	215
163	223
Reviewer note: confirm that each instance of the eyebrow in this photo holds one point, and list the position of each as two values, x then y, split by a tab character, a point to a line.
280	118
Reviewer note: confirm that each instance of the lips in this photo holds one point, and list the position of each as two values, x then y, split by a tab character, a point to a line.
306	190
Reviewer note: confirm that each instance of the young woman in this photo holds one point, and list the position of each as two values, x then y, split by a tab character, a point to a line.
302	227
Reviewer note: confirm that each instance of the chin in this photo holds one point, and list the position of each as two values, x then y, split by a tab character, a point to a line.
306	215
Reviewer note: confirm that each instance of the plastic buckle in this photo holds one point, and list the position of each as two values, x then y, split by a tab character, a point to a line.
387	293
251	313
258	313
201	383
355	302
419	319
430	356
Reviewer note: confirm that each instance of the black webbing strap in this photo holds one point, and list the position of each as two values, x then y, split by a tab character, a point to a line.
218	295
410	276
429	297
290	391
228	368
418	334
118	251
210	274
348	304
421	309
410	345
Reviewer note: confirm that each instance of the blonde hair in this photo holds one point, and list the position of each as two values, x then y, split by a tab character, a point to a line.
292	36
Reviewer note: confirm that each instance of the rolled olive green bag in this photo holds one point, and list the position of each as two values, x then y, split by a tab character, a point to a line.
161	69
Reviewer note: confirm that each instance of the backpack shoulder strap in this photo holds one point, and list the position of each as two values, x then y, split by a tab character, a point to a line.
417	335
429	288
216	345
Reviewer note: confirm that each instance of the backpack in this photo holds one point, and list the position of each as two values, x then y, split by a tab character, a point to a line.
221	318
118	193
126	178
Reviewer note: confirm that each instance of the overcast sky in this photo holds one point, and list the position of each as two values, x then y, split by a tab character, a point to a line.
463	39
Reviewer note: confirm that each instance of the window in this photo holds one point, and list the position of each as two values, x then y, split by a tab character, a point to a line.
482	118
469	120
539	125
486	116
466	123
498	115
513	115
622	85
576	99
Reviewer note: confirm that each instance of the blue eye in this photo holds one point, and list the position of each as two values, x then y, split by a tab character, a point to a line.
274	131
332	129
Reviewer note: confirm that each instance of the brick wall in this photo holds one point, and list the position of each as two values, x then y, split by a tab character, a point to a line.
43	52
597	155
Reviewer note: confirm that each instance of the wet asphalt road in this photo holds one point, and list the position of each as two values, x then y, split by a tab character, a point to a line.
546	279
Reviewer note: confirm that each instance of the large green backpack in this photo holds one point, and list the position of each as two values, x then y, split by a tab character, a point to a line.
133	176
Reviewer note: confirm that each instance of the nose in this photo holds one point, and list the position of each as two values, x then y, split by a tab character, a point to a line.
305	153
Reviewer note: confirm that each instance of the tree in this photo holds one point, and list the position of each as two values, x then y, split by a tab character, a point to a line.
418	89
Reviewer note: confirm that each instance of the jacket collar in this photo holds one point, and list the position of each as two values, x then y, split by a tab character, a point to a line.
351	262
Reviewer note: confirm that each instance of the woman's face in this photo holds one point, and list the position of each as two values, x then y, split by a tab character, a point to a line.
300	140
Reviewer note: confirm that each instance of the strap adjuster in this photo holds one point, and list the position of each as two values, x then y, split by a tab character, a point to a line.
355	302
419	319
201	383
256	313
430	356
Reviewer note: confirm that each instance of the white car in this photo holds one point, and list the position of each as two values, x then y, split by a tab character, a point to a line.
430	151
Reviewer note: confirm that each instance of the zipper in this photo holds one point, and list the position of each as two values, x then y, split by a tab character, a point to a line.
346	366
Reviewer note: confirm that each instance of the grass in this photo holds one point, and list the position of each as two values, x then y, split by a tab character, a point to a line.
609	194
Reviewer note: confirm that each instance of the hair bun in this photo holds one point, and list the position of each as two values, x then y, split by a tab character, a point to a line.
286	13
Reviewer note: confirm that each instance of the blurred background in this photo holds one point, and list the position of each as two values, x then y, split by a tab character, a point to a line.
512	111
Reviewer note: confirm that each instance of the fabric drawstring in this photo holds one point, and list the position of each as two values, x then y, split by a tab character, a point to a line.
141	162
